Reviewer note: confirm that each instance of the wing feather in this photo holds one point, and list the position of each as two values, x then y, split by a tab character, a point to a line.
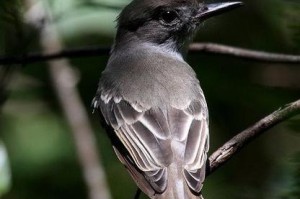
196	146
180	123
128	113
155	121
155	147
138	177
144	133
147	135
194	141
149	157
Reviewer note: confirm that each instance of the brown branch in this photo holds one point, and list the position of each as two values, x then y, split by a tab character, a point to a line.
64	82
244	53
71	53
234	145
194	48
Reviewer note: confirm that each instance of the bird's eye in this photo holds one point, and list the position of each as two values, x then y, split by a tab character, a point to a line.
169	17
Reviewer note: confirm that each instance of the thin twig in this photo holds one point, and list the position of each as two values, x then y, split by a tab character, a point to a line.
234	145
71	53
194	48
244	53
64	82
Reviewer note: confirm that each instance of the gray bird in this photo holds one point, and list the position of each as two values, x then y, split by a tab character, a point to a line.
150	99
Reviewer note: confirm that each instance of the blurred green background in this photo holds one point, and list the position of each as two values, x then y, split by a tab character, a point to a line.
39	144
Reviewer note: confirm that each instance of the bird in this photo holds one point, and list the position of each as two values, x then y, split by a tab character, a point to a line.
150	100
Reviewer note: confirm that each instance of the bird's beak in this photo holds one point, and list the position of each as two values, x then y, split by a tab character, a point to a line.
214	9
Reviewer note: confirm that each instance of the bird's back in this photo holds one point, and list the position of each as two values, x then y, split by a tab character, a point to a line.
158	121
161	77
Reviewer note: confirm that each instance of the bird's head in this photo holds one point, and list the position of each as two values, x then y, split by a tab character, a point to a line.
166	22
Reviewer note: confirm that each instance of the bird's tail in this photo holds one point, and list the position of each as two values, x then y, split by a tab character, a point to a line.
175	193
177	187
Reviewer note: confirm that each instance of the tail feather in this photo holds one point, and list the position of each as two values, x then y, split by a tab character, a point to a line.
177	186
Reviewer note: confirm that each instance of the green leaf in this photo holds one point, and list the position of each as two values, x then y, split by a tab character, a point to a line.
5	177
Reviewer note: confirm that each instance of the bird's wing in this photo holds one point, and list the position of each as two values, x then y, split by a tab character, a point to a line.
146	136
196	143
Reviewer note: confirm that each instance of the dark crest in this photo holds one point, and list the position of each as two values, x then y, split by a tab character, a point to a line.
134	14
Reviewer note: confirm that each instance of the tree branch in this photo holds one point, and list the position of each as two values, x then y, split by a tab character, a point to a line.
245	53
64	82
234	145
194	48
71	53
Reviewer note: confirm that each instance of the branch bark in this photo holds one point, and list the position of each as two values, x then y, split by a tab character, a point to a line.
235	144
71	53
210	48
244	53
64	82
